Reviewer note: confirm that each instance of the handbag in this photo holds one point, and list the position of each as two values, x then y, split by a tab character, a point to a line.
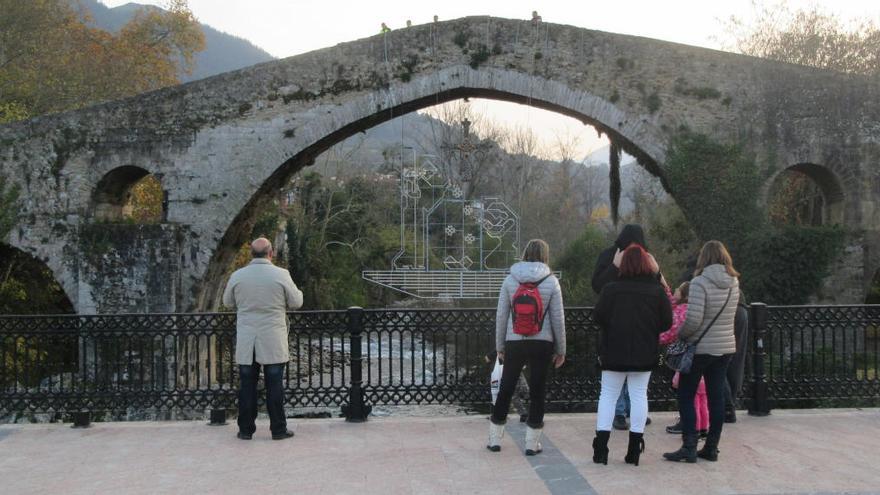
680	354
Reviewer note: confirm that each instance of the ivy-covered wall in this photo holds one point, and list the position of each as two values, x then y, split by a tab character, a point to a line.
717	186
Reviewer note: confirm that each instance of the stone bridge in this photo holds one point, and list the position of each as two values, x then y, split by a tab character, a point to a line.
222	146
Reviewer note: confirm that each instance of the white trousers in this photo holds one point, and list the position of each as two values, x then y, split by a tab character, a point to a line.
612	384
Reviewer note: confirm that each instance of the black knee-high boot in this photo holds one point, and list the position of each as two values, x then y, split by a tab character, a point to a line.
635	448
600	447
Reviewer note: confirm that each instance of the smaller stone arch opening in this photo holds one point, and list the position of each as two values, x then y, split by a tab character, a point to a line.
129	194
28	286
806	194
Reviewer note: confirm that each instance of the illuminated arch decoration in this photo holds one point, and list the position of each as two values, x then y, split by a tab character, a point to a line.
450	246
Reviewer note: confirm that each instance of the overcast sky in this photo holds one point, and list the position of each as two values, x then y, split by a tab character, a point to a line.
288	27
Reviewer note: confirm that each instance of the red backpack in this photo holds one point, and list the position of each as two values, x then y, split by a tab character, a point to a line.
528	309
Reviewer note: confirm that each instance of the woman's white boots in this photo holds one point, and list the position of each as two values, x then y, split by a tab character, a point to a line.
496	433
533	437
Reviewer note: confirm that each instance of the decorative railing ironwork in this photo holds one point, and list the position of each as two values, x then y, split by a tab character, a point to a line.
158	364
821	356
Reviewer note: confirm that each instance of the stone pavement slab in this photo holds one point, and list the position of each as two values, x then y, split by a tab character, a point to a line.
790	452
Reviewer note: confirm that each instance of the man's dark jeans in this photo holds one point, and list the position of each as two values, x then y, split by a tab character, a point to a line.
538	354
714	370
247	397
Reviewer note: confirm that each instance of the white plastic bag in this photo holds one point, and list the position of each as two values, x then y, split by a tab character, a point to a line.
495	379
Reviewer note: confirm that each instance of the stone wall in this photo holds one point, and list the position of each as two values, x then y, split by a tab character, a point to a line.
125	268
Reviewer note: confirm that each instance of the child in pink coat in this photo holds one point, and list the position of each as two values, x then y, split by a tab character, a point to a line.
679	313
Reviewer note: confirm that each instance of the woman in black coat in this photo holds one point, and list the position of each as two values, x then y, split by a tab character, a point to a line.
632	313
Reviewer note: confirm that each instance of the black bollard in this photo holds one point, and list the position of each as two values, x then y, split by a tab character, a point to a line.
356	411
760	403
82	419
218	417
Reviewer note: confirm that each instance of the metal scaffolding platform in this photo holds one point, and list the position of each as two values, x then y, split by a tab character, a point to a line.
440	284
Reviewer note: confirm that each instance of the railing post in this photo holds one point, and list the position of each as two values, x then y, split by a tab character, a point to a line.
218	417
356	411
82	419
760	404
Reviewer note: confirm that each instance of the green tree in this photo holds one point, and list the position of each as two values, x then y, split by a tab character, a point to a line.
577	263
335	230
145	201
51	60
714	184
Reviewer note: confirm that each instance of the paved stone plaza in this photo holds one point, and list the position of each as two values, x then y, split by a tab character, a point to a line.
791	452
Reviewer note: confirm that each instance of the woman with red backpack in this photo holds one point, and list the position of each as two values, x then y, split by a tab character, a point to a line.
529	329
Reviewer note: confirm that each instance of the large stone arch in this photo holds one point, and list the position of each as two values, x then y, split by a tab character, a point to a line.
219	142
589	109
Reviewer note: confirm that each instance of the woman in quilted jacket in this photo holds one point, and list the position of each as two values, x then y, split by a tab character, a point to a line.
713	297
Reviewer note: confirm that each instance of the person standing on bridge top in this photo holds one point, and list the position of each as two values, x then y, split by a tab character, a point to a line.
261	293
384	29
529	328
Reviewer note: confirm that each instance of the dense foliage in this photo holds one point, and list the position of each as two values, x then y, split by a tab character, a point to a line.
717	185
335	230
28	286
786	265
53	60
576	264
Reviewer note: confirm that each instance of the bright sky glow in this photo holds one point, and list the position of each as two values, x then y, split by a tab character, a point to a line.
289	27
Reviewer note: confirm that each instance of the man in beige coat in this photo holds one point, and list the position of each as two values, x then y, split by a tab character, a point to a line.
262	293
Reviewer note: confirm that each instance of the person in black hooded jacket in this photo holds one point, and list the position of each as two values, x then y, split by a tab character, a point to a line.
605	271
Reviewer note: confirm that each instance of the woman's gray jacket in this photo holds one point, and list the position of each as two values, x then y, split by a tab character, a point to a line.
553	329
708	291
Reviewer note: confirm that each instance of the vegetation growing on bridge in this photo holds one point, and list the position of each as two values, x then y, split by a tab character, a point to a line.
716	185
8	210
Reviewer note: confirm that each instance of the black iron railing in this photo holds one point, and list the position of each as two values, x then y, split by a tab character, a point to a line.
820	356
138	366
